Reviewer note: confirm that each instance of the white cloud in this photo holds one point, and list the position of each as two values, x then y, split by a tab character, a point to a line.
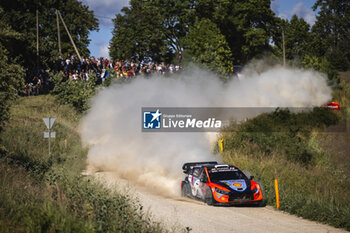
302	11
105	10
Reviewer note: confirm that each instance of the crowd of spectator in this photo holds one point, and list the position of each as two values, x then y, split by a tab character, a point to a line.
37	81
73	68
76	69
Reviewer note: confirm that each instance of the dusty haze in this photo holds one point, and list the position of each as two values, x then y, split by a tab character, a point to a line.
112	127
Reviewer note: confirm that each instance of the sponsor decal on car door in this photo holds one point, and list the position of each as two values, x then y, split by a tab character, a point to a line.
195	186
198	188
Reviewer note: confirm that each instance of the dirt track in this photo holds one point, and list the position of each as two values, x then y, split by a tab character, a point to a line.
177	213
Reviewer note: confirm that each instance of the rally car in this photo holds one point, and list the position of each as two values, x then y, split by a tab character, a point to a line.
219	184
333	105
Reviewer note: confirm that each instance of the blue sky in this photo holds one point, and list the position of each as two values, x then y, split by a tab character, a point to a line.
105	10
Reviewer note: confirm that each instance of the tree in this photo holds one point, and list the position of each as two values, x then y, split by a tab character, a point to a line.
136	34
21	16
332	30
11	74
297	37
209	47
246	25
175	17
151	29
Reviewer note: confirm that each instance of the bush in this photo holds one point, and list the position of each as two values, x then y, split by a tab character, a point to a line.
76	93
289	132
324	66
26	206
11	82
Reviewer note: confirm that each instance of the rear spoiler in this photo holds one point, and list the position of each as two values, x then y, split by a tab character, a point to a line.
187	166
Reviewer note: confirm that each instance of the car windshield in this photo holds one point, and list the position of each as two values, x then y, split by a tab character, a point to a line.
217	175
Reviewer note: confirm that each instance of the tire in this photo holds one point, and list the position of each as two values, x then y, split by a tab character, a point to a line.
260	204
209	199
186	190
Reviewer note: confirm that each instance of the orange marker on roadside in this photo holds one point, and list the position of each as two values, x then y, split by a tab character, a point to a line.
277	194
221	144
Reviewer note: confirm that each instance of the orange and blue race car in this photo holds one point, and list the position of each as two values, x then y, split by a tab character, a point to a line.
219	184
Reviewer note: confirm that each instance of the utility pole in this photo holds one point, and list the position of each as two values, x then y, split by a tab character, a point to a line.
37	37
70	37
58	34
284	49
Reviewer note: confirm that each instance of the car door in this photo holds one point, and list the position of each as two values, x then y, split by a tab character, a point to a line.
203	179
195	182
199	180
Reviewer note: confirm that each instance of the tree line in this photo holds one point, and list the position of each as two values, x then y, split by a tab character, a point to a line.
221	33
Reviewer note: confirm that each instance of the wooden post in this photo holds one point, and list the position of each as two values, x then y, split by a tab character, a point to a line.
70	37
284	48
58	34
37	35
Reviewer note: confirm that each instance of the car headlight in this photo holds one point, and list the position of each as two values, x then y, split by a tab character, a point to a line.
221	191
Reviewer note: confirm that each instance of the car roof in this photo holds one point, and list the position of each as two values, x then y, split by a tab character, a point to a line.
188	167
214	165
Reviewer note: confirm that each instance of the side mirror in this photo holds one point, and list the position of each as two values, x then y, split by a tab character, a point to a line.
251	177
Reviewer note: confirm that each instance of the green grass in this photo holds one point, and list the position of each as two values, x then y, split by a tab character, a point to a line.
318	193
47	193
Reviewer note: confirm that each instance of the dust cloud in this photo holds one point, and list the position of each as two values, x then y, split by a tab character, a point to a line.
112	127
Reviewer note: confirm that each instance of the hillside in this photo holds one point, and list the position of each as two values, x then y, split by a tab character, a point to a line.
47	193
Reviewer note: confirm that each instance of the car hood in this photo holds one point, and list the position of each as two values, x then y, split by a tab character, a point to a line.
236	185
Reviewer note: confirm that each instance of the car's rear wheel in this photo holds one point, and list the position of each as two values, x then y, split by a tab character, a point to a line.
209	199
186	189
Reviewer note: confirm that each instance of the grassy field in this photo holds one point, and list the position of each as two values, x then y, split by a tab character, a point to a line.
47	193
319	193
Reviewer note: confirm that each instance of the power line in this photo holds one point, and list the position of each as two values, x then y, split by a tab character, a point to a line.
99	16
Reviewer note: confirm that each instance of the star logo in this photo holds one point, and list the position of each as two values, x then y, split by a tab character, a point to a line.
156	115
152	120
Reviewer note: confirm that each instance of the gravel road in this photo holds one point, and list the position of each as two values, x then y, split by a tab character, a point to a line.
179	213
